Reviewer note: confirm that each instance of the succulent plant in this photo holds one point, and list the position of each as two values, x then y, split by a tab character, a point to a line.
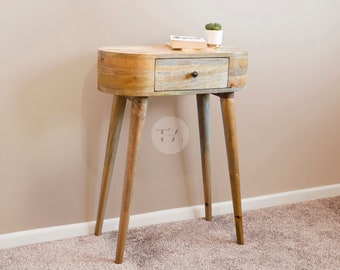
213	26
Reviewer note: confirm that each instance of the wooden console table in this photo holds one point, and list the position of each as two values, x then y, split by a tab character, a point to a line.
136	73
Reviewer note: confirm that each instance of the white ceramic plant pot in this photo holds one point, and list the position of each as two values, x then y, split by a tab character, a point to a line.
214	38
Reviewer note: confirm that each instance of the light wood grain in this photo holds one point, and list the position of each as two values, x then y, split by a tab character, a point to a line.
238	67
237	83
117	112
140	72
176	74
137	119
147	70
203	108
229	123
125	74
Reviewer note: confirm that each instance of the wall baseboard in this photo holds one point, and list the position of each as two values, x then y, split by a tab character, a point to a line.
80	229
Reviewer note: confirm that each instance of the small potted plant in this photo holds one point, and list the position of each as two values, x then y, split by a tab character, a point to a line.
213	34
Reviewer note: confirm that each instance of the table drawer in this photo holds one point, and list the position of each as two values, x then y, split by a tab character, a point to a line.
191	73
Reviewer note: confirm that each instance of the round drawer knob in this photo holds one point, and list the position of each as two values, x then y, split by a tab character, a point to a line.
194	74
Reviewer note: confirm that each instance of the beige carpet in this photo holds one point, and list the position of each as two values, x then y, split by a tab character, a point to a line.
297	236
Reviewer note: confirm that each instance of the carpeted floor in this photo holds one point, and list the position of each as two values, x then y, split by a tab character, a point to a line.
297	236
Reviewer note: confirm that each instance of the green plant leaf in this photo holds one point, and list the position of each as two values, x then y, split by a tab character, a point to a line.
217	26
213	26
209	26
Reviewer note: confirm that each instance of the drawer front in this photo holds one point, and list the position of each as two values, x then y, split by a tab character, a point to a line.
191	74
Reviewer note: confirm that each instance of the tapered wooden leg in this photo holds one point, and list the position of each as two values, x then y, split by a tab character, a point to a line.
117	113
137	117
229	121
203	109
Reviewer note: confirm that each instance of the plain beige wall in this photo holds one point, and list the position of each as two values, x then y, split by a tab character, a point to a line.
54	122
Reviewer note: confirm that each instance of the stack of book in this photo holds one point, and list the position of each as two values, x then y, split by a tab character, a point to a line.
186	42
